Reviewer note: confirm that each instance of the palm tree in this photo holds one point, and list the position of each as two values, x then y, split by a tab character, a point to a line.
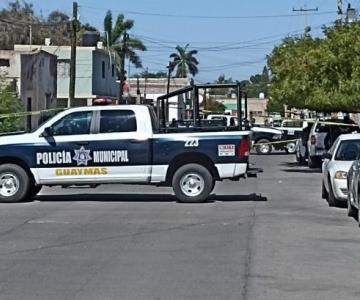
115	34
184	62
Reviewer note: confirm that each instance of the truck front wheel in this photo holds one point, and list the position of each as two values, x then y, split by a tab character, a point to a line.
14	183
192	183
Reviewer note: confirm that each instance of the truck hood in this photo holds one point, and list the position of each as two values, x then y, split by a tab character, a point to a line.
16	138
264	129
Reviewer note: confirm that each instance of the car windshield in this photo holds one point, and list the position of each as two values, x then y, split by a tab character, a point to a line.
348	150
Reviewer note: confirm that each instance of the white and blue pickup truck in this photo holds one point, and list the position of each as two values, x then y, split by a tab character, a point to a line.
119	144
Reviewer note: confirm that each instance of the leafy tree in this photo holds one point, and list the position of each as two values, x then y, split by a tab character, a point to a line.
214	106
222	91
9	103
184	62
318	74
15	29
257	84
159	74
115	33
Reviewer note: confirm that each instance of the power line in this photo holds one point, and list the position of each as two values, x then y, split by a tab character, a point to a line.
210	17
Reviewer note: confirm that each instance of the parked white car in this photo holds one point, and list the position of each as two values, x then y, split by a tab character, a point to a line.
336	165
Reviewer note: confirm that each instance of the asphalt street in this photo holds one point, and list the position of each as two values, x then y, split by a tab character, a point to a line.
271	237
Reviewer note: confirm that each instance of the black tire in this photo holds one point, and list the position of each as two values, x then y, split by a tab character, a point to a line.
34	190
290	148
351	210
333	202
313	163
201	187
14	183
263	149
324	193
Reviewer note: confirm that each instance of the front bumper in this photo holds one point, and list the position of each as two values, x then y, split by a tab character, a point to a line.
340	189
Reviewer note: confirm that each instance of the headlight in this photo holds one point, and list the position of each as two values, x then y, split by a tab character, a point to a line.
340	175
277	137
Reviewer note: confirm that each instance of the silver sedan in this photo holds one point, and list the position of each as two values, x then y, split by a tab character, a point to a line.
335	168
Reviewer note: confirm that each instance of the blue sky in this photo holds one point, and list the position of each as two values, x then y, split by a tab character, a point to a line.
235	46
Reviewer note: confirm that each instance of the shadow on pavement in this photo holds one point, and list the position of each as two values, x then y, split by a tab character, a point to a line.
295	167
103	197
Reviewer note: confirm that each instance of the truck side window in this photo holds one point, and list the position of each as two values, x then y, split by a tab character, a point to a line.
117	121
73	124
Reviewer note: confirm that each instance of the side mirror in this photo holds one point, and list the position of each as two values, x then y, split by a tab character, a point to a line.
327	155
48	131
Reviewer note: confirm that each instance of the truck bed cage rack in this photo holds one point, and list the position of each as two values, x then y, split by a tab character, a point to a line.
162	106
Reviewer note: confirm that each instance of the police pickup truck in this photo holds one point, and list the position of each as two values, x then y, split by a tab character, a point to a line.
119	144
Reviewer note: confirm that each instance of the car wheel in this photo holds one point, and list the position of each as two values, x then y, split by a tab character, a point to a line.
192	183
14	183
313	162
263	147
351	210
324	193
290	148
333	202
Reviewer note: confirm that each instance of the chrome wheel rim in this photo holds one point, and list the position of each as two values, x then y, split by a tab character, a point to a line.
9	184
192	184
264	148
291	147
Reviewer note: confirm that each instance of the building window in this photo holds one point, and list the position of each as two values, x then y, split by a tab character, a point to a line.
103	69
4	62
112	70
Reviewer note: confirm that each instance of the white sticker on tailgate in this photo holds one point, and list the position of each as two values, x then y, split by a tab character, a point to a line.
226	150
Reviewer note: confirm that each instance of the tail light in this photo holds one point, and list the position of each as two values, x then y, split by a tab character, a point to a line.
244	148
313	140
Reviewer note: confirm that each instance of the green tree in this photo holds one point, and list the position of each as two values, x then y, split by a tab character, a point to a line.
9	103
222	91
214	106
257	84
184	62
16	21
115	33
318	74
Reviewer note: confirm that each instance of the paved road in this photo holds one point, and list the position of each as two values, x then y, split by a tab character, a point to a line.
266	238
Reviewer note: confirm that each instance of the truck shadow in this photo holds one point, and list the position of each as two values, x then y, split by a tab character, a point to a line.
294	167
99	197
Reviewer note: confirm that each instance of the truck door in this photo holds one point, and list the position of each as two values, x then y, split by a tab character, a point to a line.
120	147
63	155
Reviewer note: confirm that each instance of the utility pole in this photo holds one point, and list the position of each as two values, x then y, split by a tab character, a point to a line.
305	10
122	69
30	36
166	109
73	56
138	94
146	73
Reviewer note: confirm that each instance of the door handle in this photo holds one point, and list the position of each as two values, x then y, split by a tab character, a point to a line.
82	143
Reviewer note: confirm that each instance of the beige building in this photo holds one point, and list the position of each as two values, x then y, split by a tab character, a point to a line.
147	90
256	108
34	74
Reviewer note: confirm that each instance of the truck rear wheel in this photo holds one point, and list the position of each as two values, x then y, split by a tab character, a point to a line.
192	183
14	183
263	147
290	148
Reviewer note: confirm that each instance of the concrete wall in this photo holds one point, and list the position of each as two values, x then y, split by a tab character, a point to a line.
38	82
104	86
11	72
89	82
